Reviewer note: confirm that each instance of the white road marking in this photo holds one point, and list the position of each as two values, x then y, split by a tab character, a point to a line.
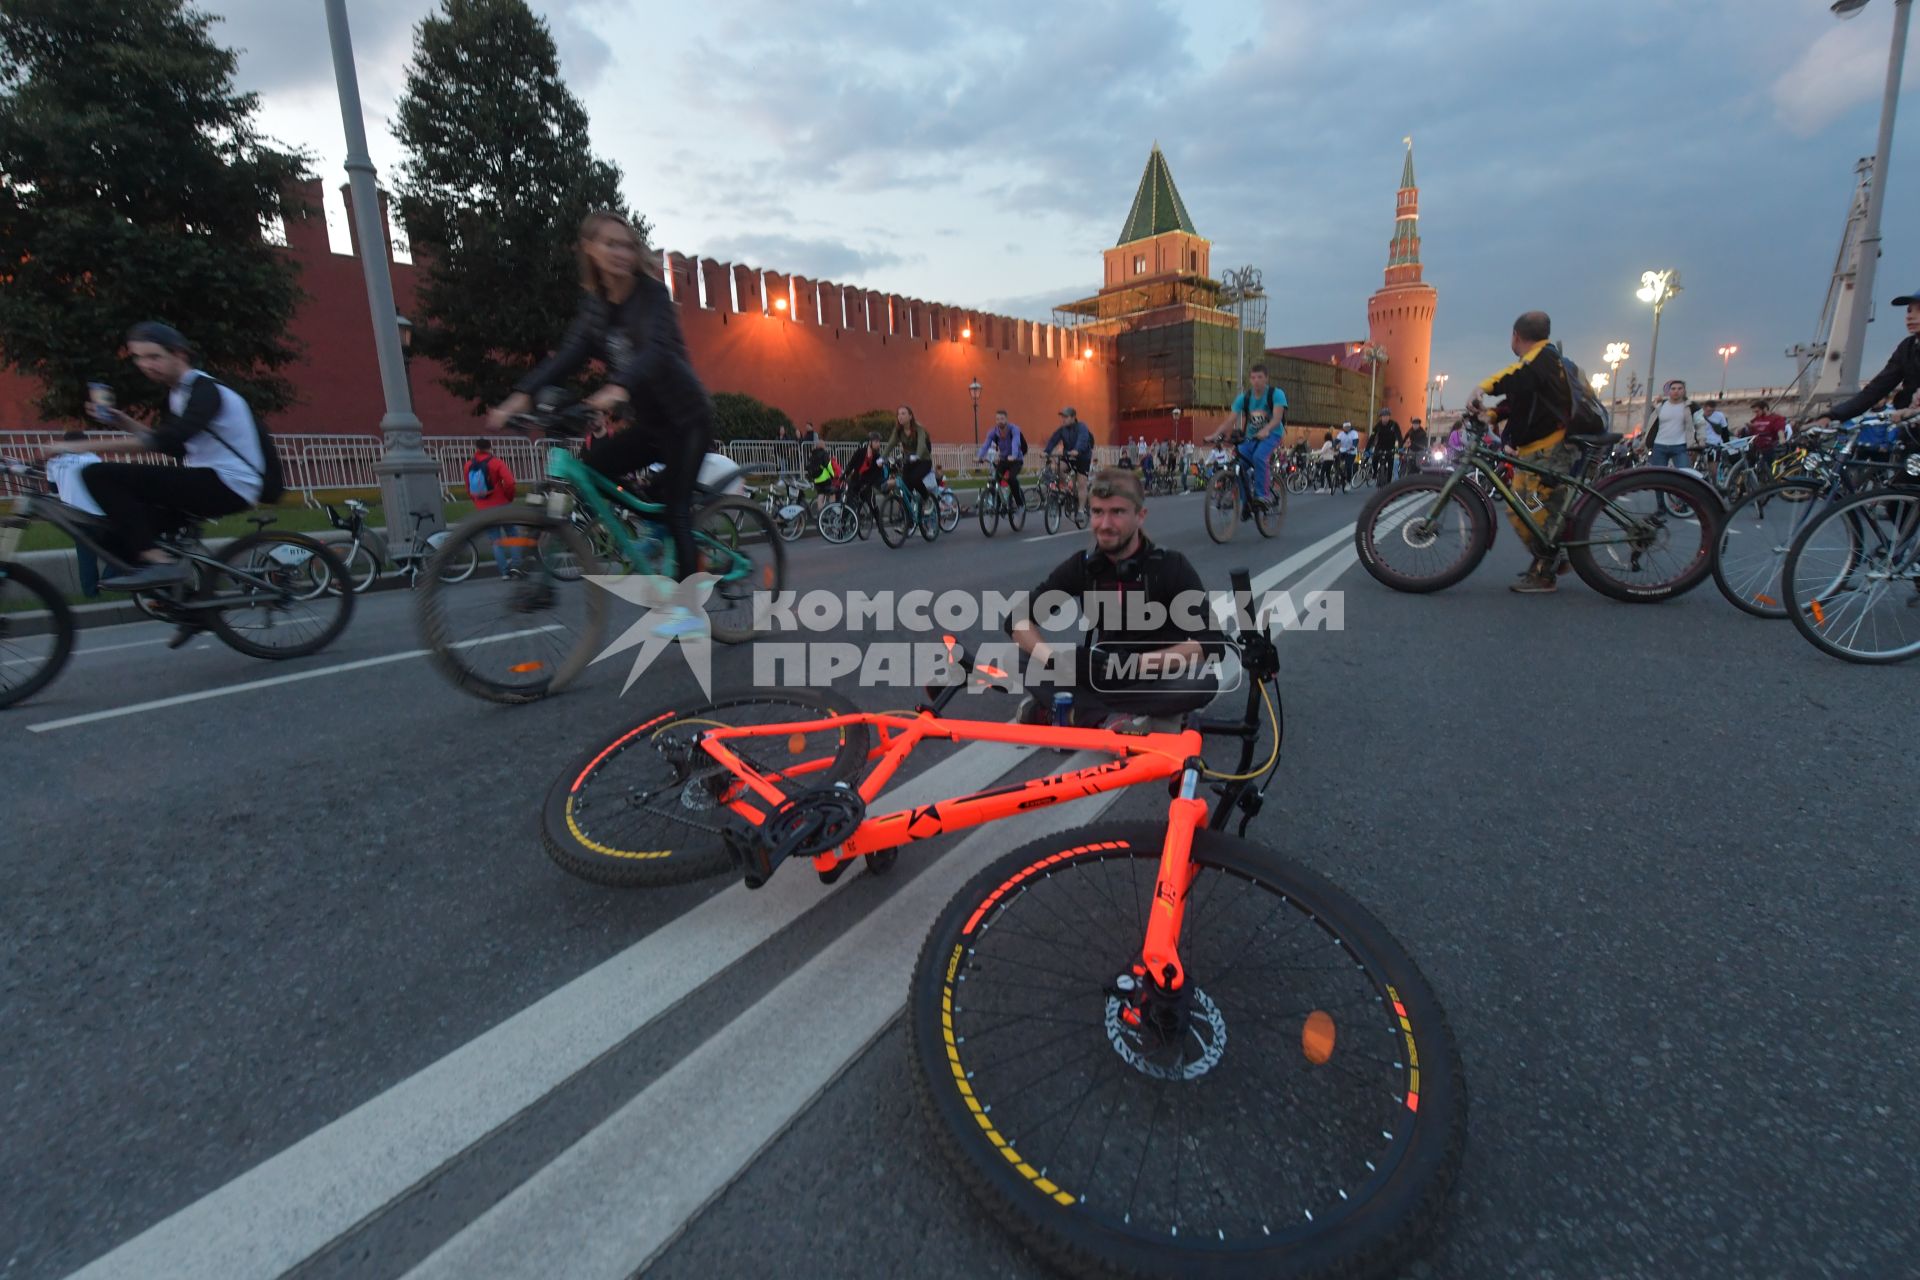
289	1207
181	699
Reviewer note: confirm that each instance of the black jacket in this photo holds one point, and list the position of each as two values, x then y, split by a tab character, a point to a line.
1902	372
1538	401
639	341
1385	435
1161	575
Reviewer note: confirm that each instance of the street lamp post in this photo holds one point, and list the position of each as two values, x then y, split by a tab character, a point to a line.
1373	354
1616	356
405	326
1862	308
973	389
1440	392
1659	288
1726	353
409	480
1176	424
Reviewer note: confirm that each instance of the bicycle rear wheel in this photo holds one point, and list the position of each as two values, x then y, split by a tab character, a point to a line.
458	566
523	637
1852	578
894	520
1652	539
36	633
276	600
1754	540
1268	519
649	807
1408	546
1308	1118
1222	505
838	523
1017	509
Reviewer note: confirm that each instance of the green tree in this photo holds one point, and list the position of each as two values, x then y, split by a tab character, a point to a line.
858	426
737	416
134	186
496	179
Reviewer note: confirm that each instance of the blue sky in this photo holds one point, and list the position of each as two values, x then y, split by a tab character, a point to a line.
985	154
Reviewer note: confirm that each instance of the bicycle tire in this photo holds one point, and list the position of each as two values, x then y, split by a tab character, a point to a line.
547	665
1393	515
989	510
59	626
1398	1150
1598	566
1270	518
929	508
362	569
949	513
893	521
838	523
244	553
1830	599
1751	582
1017	512
455	568
1297	480
736	526
672	784
1221	512
1050	513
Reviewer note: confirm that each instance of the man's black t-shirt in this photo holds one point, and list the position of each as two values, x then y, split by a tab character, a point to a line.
1157	574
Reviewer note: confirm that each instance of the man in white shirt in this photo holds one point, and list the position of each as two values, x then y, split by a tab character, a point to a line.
1347	444
1716	428
1670	426
225	462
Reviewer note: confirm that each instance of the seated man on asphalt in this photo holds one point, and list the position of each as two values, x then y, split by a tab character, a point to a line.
1151	636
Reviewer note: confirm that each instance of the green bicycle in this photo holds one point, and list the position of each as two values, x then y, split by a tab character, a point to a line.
901	510
530	627
1644	534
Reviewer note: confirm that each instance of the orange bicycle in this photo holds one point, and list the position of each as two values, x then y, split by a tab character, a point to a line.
1150	1048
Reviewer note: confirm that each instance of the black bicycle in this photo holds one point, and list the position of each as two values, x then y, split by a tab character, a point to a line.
267	594
1230	498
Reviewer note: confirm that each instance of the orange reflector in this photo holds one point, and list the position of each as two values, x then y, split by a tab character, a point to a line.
1819	614
796	743
521	668
989	669
766	576
1316	1037
1764	598
516	542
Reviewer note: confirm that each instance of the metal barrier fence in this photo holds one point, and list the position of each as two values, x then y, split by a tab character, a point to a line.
314	462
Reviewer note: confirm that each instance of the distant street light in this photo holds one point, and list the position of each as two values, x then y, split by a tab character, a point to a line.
973	389
1616	356
779	304
1659	288
1087	354
1176	423
1373	355
1440	395
1598	380
1726	354
966	332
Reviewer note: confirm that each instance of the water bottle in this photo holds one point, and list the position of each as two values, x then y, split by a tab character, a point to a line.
1063	710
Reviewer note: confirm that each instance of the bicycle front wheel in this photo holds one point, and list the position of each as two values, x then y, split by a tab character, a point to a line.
275	597
1409	546
36	633
894	520
1222	505
650	807
1754	541
736	542
1050	512
1852	578
1269	518
1301	1111
949	513
527	635
989	510
838	523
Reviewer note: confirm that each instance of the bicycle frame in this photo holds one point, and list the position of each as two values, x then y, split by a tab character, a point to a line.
1478	458
603	495
189	548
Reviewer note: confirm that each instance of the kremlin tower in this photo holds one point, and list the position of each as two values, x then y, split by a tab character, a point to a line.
1400	314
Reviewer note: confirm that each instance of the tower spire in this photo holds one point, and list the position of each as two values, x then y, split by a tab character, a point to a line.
1157	206
1403	252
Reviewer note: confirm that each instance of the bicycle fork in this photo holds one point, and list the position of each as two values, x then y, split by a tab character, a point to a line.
1153	994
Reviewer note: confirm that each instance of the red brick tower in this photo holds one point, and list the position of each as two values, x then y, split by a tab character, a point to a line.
1400	315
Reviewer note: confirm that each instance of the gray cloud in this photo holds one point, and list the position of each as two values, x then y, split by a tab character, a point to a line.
820	258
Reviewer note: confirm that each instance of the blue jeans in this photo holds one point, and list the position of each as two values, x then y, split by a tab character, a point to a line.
1670	455
89	569
1255	454
503	556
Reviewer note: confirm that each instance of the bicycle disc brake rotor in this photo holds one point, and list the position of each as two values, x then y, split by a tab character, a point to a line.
1166	1037
1419	533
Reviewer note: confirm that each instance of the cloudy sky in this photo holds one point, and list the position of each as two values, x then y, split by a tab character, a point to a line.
984	154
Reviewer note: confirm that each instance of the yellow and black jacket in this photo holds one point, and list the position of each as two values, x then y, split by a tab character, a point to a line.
1536	398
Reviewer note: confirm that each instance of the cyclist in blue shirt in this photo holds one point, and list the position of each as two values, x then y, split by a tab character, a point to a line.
1006	437
1261	413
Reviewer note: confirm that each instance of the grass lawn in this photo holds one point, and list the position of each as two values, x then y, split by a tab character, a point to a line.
290	513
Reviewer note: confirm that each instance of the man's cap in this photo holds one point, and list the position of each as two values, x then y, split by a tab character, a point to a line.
1069	412
1911	298
164	335
1345	425
1384	412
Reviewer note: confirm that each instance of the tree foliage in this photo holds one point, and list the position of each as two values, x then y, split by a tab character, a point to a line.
738	416
857	427
134	186
496	179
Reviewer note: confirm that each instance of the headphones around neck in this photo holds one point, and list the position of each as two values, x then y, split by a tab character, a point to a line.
1129	569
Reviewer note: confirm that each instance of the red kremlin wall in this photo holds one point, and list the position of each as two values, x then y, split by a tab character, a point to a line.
832	351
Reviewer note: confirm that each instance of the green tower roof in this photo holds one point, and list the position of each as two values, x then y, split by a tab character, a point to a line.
1406	173
1157	207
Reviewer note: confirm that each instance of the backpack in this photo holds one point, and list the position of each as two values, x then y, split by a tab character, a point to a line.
1587	416
479	479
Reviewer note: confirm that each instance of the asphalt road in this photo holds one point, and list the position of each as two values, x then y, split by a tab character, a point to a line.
289	985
